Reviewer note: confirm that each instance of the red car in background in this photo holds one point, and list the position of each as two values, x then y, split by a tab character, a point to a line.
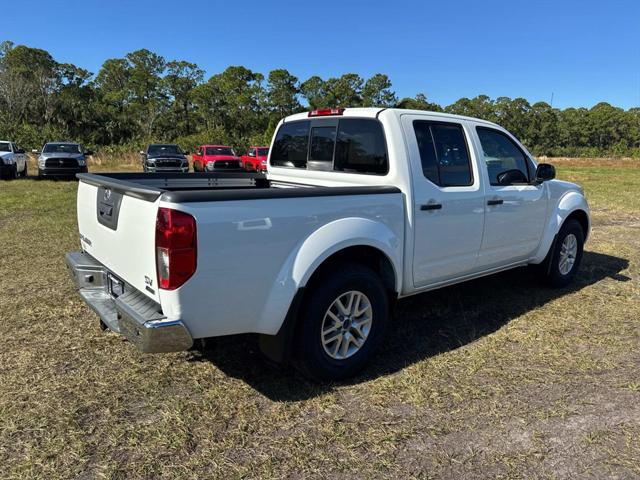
208	158
256	159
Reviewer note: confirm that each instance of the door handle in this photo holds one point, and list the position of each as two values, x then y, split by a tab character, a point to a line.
495	202
431	206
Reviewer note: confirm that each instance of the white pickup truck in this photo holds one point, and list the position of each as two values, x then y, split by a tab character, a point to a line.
13	160
360	207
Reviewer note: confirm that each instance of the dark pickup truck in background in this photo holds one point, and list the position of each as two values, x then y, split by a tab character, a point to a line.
164	158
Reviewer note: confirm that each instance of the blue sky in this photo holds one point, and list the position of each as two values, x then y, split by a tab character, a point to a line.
581	51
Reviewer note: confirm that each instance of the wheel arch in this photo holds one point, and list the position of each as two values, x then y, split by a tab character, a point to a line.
582	218
572	205
366	255
358	240
351	239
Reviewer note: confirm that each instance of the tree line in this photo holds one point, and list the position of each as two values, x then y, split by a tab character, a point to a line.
144	97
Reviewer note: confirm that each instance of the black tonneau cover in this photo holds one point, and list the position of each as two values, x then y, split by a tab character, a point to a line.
216	186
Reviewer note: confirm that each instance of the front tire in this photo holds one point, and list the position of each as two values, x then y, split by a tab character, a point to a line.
563	261
342	322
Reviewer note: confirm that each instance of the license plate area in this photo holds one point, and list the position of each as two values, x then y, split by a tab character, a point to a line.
115	285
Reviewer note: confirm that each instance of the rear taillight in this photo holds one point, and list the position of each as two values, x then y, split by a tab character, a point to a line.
326	112
176	248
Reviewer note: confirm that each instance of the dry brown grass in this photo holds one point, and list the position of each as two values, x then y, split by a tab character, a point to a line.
592	162
499	377
127	160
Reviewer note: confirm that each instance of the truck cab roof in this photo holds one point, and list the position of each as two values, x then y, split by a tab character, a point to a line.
373	112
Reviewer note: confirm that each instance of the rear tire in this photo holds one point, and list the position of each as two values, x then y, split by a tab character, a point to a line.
563	260
342	322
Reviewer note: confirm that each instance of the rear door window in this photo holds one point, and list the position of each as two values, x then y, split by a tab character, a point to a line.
443	153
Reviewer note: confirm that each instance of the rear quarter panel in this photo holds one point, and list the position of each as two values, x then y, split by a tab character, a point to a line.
253	255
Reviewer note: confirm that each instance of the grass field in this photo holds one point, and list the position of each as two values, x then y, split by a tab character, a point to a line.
499	377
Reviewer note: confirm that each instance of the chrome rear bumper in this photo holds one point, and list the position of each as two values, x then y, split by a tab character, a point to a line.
131	314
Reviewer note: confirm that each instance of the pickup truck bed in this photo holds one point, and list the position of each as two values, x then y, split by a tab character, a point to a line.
206	187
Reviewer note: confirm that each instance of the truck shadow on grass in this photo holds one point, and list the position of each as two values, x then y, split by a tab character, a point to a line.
423	326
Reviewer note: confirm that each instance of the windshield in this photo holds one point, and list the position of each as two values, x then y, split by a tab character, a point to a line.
219	151
61	148
5	147
164	150
263	152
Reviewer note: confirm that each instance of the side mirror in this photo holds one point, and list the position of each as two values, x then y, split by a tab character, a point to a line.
20	150
36	151
186	152
88	152
544	172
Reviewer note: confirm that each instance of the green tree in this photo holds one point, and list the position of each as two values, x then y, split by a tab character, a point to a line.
420	102
344	91
149	98
513	115
313	90
112	86
233	100
282	93
75	103
480	107
181	80
542	136
29	77
377	92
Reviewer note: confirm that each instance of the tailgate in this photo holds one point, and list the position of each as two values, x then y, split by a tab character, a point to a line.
118	230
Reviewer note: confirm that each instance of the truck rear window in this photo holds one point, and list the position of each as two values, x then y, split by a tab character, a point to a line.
352	145
323	139
291	146
361	147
